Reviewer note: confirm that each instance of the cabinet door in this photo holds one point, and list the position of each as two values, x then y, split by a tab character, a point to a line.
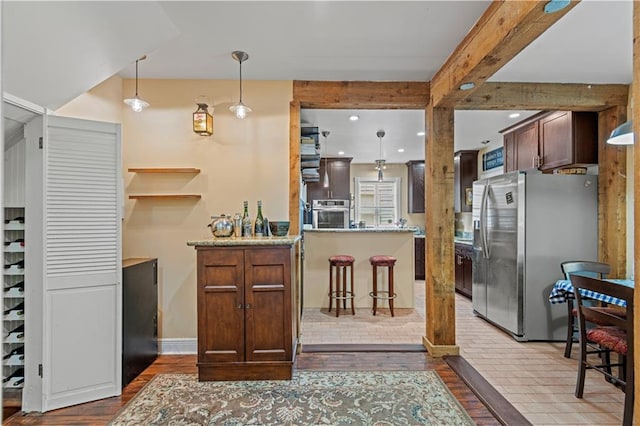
526	140
467	266
464	173
268	313
416	186
510	153
556	146
339	176
419	258
221	305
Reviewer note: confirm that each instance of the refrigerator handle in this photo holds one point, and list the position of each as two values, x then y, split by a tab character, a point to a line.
483	221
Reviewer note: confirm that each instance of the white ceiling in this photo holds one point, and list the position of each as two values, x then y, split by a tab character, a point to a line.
53	51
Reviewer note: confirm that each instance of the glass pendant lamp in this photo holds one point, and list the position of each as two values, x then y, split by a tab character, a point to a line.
380	161
240	109
136	103
325	134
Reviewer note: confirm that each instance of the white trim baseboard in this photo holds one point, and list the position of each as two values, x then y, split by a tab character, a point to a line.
178	346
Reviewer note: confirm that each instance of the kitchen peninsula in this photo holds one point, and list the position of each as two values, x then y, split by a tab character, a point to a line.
320	244
248	305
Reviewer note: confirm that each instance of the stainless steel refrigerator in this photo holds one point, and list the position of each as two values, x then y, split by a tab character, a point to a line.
525	225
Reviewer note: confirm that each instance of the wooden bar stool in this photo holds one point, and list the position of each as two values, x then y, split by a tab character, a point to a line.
341	262
382	261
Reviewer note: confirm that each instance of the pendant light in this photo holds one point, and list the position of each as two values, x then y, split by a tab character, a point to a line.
240	109
325	134
622	135
136	103
380	162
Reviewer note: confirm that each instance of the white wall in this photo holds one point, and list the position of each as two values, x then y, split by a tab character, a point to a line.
243	160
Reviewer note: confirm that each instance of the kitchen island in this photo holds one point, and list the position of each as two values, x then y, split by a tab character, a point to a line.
320	244
248	307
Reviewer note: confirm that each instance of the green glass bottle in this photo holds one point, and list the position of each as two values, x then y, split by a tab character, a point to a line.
246	221
259	223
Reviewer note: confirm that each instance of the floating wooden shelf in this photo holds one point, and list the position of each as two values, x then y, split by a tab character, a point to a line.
164	170
165	196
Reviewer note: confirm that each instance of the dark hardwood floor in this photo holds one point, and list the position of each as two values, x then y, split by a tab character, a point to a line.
100	412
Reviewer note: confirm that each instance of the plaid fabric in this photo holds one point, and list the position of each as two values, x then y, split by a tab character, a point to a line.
563	290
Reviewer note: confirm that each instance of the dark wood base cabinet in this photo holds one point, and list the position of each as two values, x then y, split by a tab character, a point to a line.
139	316
463	269
419	255
246	317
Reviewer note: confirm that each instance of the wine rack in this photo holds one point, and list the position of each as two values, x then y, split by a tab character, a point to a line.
13	299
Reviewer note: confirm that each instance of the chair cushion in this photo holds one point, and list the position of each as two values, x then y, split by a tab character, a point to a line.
341	259
382	260
613	338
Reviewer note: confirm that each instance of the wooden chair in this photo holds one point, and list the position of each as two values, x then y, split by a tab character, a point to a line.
579	267
616	337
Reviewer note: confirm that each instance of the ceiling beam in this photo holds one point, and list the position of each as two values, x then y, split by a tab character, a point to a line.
361	94
503	31
546	96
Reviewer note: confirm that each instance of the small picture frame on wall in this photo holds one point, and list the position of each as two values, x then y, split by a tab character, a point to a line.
468	196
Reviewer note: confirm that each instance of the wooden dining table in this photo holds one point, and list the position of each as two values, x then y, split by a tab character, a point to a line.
563	291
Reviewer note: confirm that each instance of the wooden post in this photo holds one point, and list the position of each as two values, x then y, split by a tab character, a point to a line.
294	168
612	194
439	246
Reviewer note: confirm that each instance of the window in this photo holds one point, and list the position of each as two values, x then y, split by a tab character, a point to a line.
377	203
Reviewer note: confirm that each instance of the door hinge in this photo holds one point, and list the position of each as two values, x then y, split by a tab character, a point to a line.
40	370
40	142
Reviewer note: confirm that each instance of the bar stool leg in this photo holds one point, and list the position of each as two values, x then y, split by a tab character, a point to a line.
330	286
391	289
338	290
375	288
353	309
344	287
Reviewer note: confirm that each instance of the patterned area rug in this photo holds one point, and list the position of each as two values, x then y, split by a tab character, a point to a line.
310	398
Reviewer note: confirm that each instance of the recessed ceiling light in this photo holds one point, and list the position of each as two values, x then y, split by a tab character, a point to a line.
340	152
514	115
400	149
420	134
467	86
354	117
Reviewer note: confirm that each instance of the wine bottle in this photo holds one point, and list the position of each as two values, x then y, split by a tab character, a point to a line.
17	373
19	330
19	309
246	221
19	286
17	351
259	223
19	264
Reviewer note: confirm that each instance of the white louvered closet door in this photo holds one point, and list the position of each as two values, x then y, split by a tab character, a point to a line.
82	300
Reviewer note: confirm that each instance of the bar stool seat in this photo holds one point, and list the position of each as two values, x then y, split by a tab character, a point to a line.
388	262
344	288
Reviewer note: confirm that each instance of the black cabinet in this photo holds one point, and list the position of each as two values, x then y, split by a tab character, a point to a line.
463	269
415	184
419	258
139	316
339	171
465	171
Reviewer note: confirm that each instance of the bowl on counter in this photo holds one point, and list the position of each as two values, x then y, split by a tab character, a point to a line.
279	228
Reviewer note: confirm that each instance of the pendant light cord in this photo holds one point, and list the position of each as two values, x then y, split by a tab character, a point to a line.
137	77
240	81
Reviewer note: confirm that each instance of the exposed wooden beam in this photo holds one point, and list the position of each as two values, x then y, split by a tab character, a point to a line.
439	270
500	34
612	194
546	96
361	94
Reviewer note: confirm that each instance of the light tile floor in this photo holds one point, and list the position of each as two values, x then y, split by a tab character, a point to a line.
534	376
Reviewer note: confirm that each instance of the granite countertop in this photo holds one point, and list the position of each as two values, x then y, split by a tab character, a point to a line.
365	230
242	241
463	241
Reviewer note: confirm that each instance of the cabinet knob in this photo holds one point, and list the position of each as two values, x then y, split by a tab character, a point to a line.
239	306
247	306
